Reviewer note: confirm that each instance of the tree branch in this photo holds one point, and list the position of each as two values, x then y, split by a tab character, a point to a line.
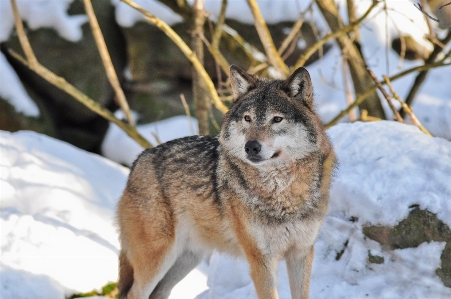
406	108
106	59
62	84
361	98
419	79
311	50
268	44
185	50
387	97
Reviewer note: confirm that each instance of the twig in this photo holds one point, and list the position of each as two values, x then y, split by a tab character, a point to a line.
24	42
406	108
365	117
293	32
311	50
387	97
230	36
157	139
352	116
419	79
364	96
268	44
186	50
218	30
201	101
213	48
106	59
187	112
428	22
420	8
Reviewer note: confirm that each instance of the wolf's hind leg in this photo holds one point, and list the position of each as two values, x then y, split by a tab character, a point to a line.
150	266
183	265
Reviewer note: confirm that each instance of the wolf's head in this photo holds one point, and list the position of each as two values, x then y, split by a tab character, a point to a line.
271	121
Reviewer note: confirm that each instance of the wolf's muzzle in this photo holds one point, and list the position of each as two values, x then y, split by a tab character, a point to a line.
252	149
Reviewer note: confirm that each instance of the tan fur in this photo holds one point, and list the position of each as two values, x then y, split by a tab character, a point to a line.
189	197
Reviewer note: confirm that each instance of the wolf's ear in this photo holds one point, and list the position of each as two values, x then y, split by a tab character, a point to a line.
242	82
299	86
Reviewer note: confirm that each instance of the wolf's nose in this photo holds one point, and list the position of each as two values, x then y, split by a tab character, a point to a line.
252	147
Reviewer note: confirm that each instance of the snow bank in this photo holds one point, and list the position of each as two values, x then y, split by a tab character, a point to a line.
119	147
57	207
384	168
43	13
12	90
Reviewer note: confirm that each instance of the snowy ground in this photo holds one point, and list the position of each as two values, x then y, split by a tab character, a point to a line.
58	235
433	103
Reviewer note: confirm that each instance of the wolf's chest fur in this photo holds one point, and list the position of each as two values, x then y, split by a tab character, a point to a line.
277	194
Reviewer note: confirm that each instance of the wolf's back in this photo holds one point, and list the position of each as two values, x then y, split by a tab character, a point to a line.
182	165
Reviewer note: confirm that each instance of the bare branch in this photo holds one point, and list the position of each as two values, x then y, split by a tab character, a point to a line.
311	50
187	112
268	44
106	59
62	84
218	30
186	50
386	96
420	8
201	102
213	48
421	77
24	42
363	96
406	107
293	32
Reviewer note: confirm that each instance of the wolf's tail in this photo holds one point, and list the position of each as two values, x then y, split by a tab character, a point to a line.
125	275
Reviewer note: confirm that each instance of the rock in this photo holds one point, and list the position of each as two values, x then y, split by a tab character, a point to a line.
420	226
13	121
409	48
80	64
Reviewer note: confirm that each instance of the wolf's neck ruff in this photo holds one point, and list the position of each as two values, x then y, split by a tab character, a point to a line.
278	193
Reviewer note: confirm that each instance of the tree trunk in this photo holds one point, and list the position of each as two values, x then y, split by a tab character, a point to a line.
201	102
357	65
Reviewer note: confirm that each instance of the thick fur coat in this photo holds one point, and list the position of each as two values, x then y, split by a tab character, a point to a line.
259	191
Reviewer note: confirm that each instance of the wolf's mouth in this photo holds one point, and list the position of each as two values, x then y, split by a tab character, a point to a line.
254	159
276	154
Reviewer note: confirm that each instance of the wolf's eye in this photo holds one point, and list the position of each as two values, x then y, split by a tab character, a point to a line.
247	118
277	119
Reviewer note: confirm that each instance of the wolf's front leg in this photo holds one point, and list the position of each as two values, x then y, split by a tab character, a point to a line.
264	275
299	267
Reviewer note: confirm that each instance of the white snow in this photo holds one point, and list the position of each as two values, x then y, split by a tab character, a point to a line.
272	11
385	167
57	207
58	233
37	14
119	147
43	14
12	90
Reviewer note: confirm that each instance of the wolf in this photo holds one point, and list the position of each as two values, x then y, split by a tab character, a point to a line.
259	190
